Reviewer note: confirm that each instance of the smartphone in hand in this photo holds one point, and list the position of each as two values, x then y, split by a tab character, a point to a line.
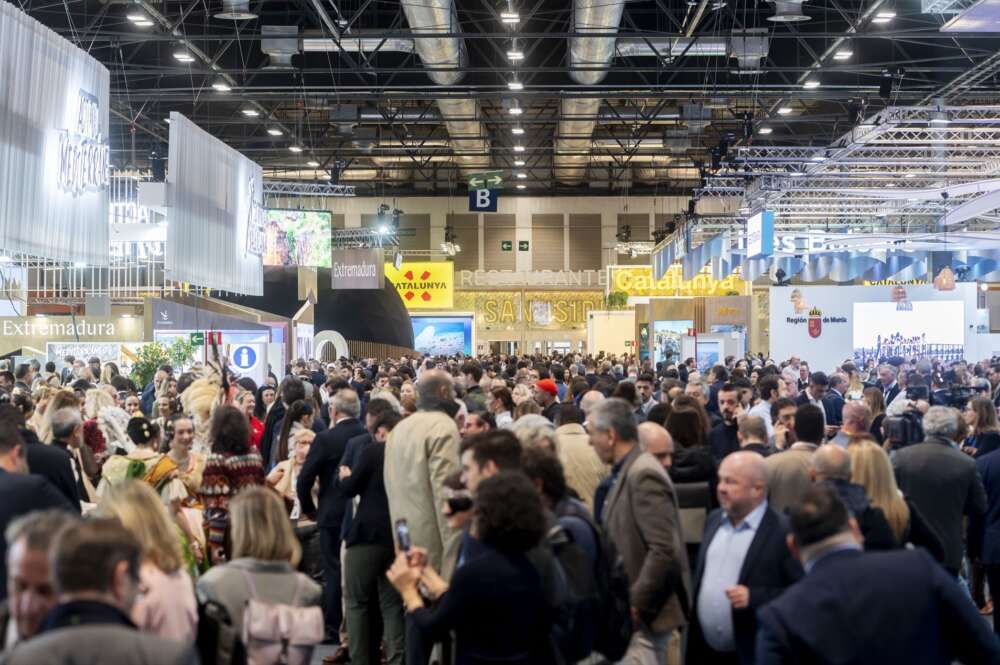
403	536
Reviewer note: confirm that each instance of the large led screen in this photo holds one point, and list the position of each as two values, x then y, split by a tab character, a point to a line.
298	238
932	329
667	339
442	335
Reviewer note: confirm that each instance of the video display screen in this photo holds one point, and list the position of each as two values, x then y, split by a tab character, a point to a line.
667	339
442	335
930	328
298	238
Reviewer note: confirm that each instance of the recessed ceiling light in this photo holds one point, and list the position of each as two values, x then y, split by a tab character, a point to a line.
313	163
519	148
522	186
221	86
785	110
843	54
250	113
517	131
274	131
810	84
764	130
515	55
295	148
516	110
515	85
183	55
510	18
518	162
521	176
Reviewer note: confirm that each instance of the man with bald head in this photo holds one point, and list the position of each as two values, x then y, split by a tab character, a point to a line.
590	399
656	441
831	464
743	564
856	417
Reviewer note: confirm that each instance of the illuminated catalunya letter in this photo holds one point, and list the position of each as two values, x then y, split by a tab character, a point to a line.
255	223
83	153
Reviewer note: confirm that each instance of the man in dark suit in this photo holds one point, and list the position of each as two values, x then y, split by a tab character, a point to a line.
290	391
50	462
743	564
887	383
866	608
20	492
941	481
641	517
723	438
323	462
833	403
984	531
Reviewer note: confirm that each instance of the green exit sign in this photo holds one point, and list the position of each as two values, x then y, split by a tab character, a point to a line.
522	245
506	245
198	338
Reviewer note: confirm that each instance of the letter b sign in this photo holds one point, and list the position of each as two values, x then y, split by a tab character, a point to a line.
483	200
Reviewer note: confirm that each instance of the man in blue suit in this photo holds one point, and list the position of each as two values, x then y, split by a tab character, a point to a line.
742	565
858	608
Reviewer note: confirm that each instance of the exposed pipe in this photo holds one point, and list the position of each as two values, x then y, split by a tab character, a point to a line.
572	154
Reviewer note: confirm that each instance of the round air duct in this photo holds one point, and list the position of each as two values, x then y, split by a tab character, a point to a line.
235	10
788	11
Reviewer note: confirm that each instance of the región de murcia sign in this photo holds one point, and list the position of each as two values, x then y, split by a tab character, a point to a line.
83	150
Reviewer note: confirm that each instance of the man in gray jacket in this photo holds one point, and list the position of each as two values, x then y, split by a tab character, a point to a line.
95	569
641	519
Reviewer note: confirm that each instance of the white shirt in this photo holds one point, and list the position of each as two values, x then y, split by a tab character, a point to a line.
763	411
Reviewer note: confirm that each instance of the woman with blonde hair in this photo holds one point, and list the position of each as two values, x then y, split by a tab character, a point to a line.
264	554
875	401
855	387
166	605
871	468
521	393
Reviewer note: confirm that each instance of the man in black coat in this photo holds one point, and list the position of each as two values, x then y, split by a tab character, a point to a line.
866	608
21	492
323	462
743	564
723	438
290	391
50	462
833	402
984	531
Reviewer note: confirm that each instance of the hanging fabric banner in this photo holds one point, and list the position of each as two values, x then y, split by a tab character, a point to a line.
216	217
53	144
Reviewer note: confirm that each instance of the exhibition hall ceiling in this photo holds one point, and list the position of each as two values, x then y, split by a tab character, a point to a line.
588	97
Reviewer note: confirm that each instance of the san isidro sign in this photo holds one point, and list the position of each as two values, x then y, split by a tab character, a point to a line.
83	150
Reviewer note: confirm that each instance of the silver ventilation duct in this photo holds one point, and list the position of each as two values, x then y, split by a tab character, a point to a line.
788	11
572	145
749	47
460	115
279	43
236	10
356	42
634	47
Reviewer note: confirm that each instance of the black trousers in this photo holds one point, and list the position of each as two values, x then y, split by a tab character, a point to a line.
333	612
993	578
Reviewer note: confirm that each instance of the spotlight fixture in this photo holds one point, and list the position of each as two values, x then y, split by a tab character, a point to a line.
518	162
295	148
515	85
250	113
785	110
939	118
819	158
510	18
274	131
220	85
515	55
811	84
519	148
910	175
181	54
313	163
624	234
515	110
517	131
764	130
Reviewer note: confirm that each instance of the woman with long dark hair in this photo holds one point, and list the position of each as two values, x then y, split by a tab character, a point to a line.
298	418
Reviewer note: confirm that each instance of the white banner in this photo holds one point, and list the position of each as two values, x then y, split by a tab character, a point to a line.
215	216
53	144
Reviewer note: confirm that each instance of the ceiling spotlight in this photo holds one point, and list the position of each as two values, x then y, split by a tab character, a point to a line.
843	54
515	85
510	18
517	131
221	86
313	163
295	148
515	110
910	175
765	130
519	148
818	158
515	55
250	113
939	118
785	110
884	15
183	55
144	23
521	176
136	16
522	186
518	162
274	131
811	84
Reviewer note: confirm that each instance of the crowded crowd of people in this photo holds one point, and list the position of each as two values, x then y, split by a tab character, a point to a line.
502	509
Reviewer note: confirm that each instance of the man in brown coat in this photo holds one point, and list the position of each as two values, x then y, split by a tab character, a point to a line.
641	518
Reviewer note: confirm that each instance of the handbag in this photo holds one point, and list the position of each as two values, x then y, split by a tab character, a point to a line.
279	633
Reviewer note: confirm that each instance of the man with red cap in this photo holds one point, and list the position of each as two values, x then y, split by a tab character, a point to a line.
547	396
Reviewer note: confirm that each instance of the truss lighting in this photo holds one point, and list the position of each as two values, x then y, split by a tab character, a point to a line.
221	86
521	176
313	163
765	130
295	148
183	55
519	148
250	113
274	131
136	16
884	16
517	131
811	84
516	110
910	175
939	118
515	55
145	23
515	85
510	18
818	158
522	186
518	162
843	54
785	110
